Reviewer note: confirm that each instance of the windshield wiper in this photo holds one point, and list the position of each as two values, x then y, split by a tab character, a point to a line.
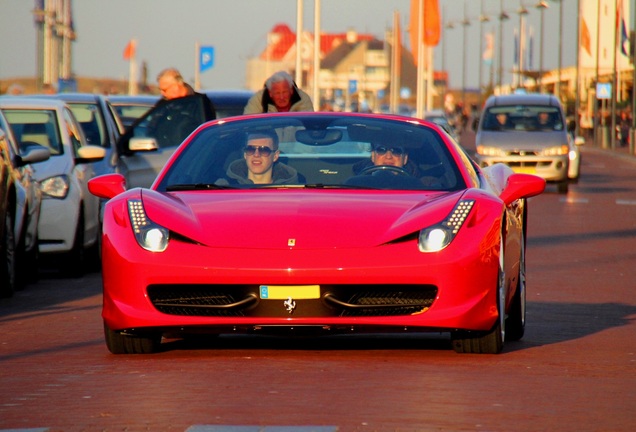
335	186
197	186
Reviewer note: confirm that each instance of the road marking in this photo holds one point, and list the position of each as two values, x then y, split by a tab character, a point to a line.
625	202
572	200
215	428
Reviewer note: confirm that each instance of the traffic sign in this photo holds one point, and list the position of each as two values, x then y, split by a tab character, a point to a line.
603	91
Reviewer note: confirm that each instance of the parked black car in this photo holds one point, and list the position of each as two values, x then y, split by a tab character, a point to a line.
150	141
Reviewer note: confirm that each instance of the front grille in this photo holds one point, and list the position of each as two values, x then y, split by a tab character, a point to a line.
334	301
199	300
523	153
384	300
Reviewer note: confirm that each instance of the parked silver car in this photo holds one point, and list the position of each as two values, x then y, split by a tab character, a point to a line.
68	222
528	133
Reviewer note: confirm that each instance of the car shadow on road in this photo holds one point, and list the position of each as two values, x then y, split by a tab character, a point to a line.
551	323
358	342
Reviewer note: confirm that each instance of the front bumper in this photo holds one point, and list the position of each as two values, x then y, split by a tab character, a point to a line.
391	286
549	168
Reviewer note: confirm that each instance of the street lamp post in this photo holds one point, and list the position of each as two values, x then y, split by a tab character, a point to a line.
542	6
520	44
503	16
465	23
557	91
482	19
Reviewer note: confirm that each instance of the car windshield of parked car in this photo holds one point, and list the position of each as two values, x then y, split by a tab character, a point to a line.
35	126
316	152
523	118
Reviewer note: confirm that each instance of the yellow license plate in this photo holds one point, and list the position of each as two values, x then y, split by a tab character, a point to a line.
283	292
524	170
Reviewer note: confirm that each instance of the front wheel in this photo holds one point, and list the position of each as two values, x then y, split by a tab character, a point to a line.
490	342
516	321
8	267
119	343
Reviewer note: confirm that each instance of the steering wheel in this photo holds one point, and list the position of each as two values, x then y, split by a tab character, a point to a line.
385	168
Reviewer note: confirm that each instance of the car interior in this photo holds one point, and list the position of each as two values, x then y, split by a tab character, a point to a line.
324	155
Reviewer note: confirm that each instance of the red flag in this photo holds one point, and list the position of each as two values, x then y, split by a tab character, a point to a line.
129	51
431	24
586	40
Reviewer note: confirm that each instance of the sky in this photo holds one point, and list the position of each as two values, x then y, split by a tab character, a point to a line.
167	30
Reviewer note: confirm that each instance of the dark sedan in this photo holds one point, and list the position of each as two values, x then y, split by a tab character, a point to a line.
20	199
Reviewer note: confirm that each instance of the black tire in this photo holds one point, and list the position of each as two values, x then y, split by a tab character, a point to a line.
490	342
28	262
563	186
119	343
8	266
516	321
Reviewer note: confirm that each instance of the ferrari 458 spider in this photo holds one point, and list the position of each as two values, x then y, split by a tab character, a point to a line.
334	222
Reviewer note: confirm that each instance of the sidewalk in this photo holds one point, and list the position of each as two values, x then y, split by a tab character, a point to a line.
623	152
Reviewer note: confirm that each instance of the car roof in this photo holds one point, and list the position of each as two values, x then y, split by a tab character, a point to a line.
72	97
134	98
523	99
31	102
228	96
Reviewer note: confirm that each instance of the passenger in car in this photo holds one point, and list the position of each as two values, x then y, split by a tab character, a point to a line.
545	121
259	164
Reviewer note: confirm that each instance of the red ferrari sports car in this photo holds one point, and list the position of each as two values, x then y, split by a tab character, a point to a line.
335	222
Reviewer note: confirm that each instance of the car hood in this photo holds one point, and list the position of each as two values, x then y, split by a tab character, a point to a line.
311	219
521	139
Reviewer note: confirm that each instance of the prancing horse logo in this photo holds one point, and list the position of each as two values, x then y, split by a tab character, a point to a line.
290	305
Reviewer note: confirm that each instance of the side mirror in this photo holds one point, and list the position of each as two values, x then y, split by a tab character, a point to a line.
522	186
90	153
33	153
143	144
107	186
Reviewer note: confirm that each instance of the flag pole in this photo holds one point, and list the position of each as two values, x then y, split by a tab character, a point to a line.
317	38
299	40
197	66
420	60
132	69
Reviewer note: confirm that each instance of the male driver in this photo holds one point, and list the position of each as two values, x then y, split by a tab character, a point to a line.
258	165
384	155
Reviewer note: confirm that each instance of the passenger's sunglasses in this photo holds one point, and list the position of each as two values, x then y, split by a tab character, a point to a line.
396	151
262	150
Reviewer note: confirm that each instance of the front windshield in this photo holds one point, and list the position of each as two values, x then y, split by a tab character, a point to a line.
523	118
315	152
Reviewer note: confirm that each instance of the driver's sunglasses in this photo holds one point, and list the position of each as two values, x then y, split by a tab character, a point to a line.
262	150
396	151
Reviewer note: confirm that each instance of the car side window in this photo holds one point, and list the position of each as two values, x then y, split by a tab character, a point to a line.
74	132
171	121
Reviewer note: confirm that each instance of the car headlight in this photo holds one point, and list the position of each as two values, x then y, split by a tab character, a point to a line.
572	155
55	187
149	235
437	237
556	151
490	151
